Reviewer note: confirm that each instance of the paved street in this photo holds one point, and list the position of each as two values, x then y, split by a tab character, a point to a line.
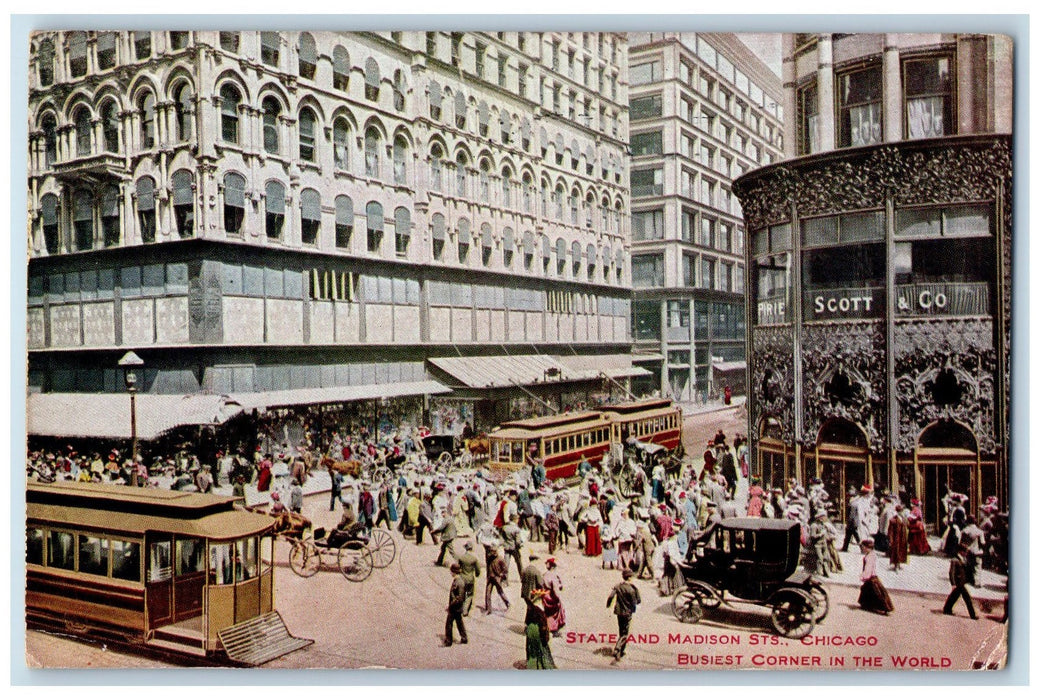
395	619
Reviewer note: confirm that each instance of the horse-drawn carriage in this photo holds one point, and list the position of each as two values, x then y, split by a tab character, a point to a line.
638	463
754	560
448	451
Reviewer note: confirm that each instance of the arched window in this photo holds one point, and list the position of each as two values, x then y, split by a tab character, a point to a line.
229	99
508	244
146	209
274	196
372	152
374	222
529	250
110	228
183	203
179	40
507	187
341	144
590	206
400	160
402	230
575	259
546	254
49	126
485	180
146	105
483	118
78	54
561	256
590	262
344	221
436	100
308	56
45	62
399	89
340	68
310	216
525	134
307	141
106	50
460	175
83	219
558	196
110	126
465	238
372	79
83	128
183	104
525	190
436	168
270	47
487	245
142	45
574	199
234	202
545	198
229	41
438	235
505	127
272	110
460	110
49	214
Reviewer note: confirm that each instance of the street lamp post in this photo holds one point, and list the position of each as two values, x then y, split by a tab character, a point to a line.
129	362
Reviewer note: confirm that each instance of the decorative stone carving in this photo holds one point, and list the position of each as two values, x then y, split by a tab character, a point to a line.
856	350
923	350
772	379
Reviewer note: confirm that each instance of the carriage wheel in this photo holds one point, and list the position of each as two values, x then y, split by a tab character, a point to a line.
793	613
304	558
626	481
687	605
382	474
465	459
383	548
445	461
820	598
355	561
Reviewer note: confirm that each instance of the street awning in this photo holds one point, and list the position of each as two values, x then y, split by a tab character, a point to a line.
738	365
108	415
497	371
338	394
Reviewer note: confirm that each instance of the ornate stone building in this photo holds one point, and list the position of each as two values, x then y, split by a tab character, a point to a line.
704	110
879	268
291	211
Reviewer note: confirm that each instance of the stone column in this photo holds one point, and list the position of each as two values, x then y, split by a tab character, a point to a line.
825	92
789	80
892	91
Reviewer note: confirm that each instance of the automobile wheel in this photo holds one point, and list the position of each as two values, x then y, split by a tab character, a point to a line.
793	613
687	607
822	601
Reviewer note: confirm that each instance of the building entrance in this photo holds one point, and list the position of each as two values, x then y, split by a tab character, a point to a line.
842	460
947	460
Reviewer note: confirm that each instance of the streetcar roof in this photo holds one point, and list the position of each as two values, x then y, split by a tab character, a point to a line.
637	406
228	524
563	419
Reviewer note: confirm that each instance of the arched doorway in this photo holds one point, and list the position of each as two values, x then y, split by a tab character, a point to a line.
775	458
947	459
842	460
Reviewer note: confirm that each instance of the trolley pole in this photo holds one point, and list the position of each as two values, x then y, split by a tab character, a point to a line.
129	362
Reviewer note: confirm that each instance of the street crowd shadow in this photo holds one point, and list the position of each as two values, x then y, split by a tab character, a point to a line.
604	651
519	629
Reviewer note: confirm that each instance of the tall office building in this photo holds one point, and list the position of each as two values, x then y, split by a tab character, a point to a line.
293	218
704	110
880	260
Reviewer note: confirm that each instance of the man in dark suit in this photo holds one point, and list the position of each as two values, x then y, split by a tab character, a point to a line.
959	581
456	602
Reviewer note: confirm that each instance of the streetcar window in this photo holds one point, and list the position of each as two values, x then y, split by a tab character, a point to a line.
161	561
93	555
267	552
245	551
34	546
191	556
518	450
60	550
126	560
220	564
571	443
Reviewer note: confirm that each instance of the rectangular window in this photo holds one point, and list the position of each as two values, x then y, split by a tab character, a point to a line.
34	546
648	225
93	555
646	320
928	95
707	233
644	107
707	273
647	271
643	73
61	552
645	144
647	182
808	120
859	107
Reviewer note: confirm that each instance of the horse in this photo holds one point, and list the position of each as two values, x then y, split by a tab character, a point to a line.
347	468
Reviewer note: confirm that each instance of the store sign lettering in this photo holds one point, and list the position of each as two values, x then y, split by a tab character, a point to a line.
827	304
842	304
964	299
772	311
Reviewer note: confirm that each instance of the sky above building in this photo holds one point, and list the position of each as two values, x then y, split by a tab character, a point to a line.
766	46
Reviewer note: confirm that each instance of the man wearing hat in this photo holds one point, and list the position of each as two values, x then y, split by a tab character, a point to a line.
469	568
456	601
625	598
818	540
851	520
496	576
531	579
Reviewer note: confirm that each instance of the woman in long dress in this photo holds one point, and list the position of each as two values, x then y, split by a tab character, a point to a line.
593	521
898	535
536	628
918	539
754	503
555	616
872	593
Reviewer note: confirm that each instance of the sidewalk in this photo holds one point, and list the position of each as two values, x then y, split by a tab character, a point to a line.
692	409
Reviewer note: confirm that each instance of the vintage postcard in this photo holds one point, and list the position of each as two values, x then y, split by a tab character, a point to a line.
518	350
